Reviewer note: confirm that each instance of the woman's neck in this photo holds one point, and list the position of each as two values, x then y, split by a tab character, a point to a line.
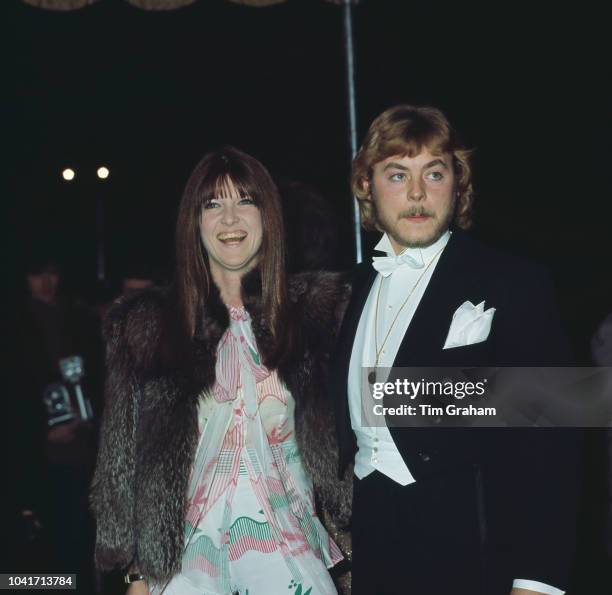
229	284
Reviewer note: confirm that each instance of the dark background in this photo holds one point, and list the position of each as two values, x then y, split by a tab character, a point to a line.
147	93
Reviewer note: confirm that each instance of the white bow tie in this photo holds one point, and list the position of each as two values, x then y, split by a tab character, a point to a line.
385	265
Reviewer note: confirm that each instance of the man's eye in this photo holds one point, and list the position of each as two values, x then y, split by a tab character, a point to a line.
436	176
399	177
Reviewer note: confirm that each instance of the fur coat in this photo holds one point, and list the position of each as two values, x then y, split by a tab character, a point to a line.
150	431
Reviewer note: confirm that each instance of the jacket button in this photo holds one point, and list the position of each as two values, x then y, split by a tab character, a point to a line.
424	457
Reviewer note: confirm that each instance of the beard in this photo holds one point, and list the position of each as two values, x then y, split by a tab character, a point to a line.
431	230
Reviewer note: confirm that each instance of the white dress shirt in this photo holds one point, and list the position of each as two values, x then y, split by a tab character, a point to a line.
376	449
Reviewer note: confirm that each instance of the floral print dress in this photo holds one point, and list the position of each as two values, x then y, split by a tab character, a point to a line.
251	526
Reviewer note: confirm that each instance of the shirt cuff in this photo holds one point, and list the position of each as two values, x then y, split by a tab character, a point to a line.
521	583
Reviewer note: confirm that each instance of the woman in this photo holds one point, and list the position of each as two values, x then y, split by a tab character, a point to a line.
199	487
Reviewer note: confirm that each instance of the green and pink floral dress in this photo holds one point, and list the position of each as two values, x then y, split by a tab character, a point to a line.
251	525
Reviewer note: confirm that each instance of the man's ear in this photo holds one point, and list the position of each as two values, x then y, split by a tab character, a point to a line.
365	184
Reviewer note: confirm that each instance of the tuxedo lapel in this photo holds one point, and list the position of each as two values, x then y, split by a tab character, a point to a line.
451	284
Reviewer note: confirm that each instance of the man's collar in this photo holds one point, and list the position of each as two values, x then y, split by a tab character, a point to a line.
420	255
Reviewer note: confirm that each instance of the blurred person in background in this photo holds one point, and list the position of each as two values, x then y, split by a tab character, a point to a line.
601	343
47	326
601	355
137	275
312	228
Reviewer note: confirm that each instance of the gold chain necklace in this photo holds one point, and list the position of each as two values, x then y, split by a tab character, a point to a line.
372	375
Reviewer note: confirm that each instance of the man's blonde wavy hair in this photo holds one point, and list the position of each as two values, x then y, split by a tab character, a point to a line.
407	130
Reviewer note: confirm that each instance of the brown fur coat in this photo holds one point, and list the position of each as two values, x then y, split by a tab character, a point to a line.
149	428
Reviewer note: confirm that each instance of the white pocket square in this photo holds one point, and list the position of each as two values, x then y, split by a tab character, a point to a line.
471	324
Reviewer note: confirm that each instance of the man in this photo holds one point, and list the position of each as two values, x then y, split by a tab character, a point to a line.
446	511
44	328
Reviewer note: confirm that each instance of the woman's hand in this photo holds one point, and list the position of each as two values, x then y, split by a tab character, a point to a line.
138	588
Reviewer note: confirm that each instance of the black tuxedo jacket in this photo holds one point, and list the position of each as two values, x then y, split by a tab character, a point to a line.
527	476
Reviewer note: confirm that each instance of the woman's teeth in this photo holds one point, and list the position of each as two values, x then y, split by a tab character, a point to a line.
231	238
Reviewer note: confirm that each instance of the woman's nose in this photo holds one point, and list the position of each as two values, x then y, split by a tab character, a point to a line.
229	214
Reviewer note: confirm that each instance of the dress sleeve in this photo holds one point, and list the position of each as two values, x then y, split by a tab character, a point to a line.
112	489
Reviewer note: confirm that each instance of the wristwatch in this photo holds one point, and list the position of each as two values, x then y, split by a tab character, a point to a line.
132	578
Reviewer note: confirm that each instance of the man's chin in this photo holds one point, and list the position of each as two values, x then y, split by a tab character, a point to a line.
418	240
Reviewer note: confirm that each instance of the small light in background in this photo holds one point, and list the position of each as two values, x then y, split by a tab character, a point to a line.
103	173
68	174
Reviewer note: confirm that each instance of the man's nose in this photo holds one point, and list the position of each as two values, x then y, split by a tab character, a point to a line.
416	190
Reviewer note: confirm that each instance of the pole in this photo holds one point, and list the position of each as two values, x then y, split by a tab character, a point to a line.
349	54
100	260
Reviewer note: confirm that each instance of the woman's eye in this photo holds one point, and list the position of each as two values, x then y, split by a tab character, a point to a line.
246	201
211	204
436	176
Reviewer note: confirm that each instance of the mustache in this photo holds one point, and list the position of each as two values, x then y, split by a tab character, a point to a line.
415	212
